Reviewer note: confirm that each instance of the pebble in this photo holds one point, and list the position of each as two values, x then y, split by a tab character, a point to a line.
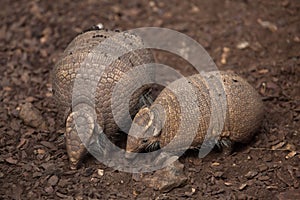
36	174
49	189
100	172
53	180
242	196
263	178
262	168
218	174
289	194
32	116
167	178
63	182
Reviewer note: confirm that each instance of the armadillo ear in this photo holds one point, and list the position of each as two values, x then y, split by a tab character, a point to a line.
151	117
158	120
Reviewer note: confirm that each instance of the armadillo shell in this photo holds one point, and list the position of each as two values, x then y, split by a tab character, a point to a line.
85	56
244	110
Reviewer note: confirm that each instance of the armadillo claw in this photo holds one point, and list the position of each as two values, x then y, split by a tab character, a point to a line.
226	145
79	130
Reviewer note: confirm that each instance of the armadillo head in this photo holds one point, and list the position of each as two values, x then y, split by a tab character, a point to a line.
145	131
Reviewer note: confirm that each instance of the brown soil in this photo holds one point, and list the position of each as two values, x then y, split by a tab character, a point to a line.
33	34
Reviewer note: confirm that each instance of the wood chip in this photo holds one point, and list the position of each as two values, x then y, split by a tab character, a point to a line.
278	146
49	145
243	186
227	183
22	142
291	154
41	151
263	71
215	164
10	160
251	174
224	55
266	24
242	45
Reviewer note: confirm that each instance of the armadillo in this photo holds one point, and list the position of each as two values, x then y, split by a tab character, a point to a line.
86	51
156	126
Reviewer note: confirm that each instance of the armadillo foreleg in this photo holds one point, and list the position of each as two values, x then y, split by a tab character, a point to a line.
79	130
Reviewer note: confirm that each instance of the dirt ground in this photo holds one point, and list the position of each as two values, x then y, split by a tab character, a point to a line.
259	40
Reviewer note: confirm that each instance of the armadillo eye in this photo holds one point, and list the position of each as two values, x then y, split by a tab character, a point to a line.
144	140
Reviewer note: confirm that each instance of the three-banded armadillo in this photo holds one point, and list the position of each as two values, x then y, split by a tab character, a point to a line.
156	126
97	60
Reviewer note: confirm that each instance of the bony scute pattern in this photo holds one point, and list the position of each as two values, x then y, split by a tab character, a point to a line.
243	115
84	79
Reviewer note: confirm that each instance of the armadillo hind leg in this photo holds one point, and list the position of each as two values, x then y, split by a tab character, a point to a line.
146	99
79	131
225	145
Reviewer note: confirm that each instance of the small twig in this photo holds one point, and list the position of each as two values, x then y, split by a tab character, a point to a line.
261	148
